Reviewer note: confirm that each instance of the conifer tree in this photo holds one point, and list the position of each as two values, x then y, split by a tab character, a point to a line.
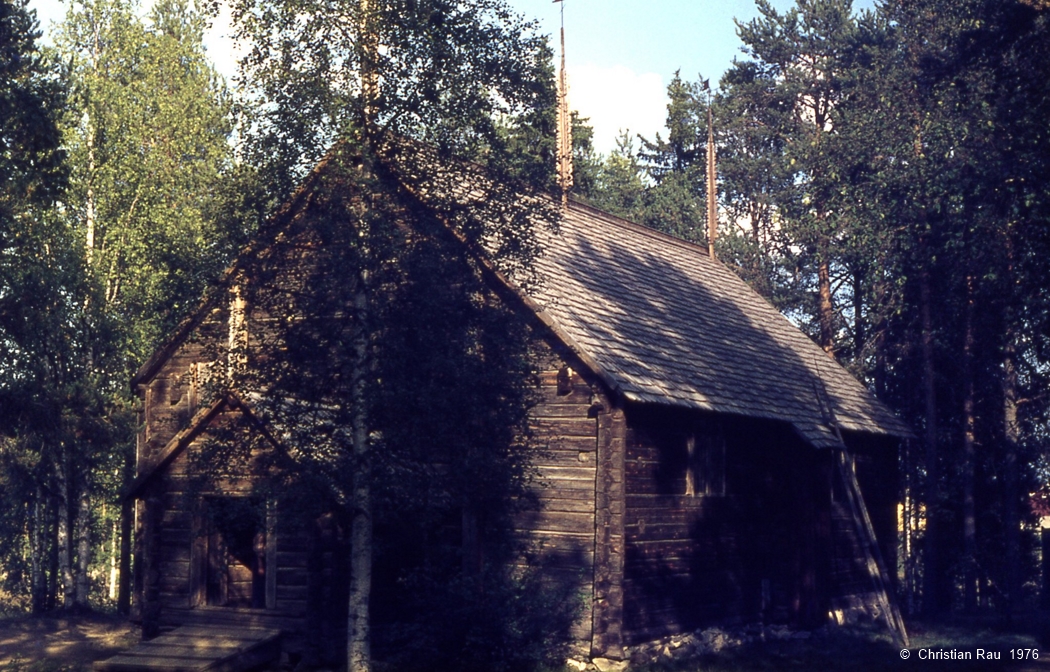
37	277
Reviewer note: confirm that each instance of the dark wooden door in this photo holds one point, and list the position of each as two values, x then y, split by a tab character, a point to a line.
235	557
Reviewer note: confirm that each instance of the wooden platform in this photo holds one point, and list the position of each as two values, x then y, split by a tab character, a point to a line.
198	648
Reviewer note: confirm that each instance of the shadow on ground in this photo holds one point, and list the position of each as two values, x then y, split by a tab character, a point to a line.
60	644
949	645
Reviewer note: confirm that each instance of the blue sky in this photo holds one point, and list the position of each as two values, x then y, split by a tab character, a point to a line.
621	54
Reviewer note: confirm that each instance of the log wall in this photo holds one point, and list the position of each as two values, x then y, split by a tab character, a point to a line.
758	552
305	587
562	529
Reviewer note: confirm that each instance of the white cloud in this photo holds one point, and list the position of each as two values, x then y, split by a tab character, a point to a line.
617	98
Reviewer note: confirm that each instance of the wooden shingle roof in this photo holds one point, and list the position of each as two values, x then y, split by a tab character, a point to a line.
657	318
665	323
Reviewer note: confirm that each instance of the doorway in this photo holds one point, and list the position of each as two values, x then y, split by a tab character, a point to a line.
234	553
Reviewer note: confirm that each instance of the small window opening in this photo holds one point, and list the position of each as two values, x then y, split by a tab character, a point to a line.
705	473
565	380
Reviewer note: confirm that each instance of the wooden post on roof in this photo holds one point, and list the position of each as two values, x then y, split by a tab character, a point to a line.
712	174
564	122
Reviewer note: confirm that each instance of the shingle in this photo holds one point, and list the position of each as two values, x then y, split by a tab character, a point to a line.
671	325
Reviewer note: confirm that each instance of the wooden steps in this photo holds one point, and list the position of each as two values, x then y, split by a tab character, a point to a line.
198	648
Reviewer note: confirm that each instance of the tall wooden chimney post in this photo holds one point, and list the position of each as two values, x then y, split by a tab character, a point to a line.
564	157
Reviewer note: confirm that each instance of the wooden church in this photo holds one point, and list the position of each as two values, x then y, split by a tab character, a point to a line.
704	461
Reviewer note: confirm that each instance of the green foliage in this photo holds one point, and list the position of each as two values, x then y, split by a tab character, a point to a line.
41	387
621	187
448	74
501	621
446	386
113	239
586	163
147	135
867	160
662	184
407	93
30	98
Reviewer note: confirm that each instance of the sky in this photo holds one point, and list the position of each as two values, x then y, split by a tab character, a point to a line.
620	54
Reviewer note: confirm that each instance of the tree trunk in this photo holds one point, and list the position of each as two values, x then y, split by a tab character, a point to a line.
38	579
910	583
64	539
127	520
1011	491
825	309
89	201
127	514
931	570
968	457
54	571
83	527
1011	441
858	315
358	653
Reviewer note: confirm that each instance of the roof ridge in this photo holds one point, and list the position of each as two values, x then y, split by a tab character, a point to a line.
649	231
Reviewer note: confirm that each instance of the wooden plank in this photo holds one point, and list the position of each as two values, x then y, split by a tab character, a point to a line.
553	410
582	444
198	650
291	576
286	558
291	607
544	495
585	474
174	587
230	616
176	570
291	593
174	552
548	525
212	649
561	427
564	458
563	505
563	485
220	629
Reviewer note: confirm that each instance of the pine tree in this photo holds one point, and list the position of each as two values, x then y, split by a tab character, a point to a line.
804	57
38	280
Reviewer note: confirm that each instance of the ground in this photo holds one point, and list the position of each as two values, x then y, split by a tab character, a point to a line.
71	644
957	642
62	644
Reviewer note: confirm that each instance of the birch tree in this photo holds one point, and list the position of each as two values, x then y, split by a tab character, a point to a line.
395	81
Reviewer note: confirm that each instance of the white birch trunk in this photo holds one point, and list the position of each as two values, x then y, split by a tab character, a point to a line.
38	578
63	539
358	650
83	528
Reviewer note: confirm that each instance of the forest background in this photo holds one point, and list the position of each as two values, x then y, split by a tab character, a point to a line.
882	179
